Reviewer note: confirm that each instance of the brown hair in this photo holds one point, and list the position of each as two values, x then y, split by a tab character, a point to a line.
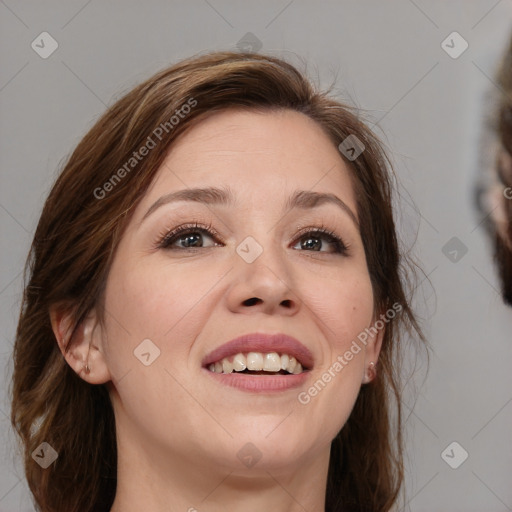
503	127
496	147
75	243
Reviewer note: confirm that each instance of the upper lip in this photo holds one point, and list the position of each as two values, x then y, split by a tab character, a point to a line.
261	342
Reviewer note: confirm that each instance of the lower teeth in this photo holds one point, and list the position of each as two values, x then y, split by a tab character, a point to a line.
252	372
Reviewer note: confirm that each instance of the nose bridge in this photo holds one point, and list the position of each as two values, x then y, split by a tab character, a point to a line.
262	269
262	252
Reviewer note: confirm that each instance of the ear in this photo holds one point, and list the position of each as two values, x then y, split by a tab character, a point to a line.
85	353
373	347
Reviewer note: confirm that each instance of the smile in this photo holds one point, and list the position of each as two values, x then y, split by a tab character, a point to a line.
258	363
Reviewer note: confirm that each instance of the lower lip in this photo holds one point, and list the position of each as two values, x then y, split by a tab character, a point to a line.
260	383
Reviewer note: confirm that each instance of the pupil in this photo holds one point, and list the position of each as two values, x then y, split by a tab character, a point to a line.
187	239
308	244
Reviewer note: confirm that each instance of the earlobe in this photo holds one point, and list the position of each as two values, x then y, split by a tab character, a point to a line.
372	355
370	373
82	351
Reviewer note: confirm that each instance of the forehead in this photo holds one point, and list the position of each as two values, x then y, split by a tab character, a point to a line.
258	153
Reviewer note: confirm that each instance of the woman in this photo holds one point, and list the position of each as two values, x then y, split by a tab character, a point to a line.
215	300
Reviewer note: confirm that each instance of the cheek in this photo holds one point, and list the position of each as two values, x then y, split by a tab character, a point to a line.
156	302
344	307
166	306
153	297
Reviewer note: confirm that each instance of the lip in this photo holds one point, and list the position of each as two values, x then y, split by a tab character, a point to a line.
262	342
259	383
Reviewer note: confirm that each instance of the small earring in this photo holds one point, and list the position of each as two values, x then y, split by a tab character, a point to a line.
87	369
372	372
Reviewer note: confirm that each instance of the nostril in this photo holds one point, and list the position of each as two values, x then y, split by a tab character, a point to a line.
252	302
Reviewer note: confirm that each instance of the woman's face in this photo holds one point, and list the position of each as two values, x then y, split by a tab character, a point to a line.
261	272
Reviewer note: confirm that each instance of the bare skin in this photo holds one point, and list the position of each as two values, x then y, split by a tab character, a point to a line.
179	431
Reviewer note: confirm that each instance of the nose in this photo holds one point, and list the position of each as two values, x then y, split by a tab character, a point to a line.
263	286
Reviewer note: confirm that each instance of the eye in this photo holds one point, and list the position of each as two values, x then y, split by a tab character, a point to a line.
311	239
190	235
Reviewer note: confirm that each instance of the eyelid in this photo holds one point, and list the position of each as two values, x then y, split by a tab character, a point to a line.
318	228
326	231
168	233
166	237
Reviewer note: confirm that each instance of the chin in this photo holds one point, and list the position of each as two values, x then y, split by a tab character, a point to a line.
257	449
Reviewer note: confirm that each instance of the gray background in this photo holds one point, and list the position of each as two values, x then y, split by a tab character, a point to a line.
388	60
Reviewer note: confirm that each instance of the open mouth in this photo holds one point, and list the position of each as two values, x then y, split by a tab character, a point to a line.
258	363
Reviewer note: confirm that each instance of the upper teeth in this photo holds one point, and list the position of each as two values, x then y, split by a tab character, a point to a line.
257	361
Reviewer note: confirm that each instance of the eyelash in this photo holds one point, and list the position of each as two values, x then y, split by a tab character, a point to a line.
168	237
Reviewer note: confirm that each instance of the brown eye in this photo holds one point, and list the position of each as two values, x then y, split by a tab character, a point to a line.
312	241
188	236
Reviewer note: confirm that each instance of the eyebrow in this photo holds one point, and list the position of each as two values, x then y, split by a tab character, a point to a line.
303	199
